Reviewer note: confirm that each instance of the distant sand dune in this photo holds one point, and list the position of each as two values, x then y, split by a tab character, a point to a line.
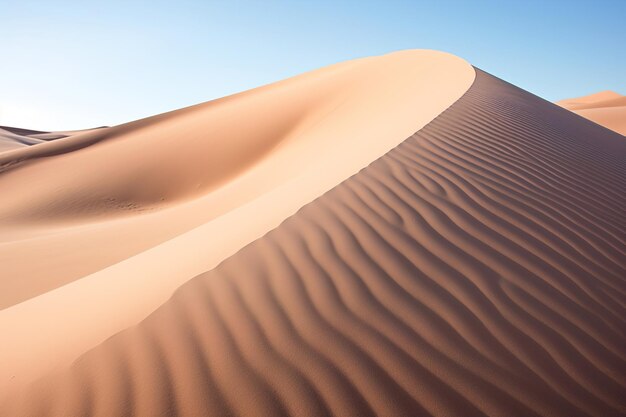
606	108
12	138
476	269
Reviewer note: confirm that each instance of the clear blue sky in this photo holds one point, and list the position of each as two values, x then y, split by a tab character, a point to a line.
78	64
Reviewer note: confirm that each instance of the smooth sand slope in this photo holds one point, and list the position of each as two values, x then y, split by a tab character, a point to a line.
102	227
606	108
476	269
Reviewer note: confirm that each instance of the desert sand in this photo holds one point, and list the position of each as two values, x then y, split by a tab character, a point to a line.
606	108
397	235
175	194
15	137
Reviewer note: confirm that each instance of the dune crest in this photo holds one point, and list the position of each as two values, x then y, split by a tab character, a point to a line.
606	108
126	214
477	269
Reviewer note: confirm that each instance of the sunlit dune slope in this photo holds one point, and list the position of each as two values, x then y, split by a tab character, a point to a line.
477	269
103	226
154	178
606	108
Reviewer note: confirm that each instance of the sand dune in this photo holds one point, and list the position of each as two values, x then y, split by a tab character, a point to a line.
606	108
126	214
476	269
10	141
14	137
153	179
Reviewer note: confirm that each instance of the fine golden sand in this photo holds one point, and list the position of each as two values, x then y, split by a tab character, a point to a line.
460	254
606	108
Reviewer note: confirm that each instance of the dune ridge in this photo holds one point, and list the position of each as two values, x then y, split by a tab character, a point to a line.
477	269
126	214
153	179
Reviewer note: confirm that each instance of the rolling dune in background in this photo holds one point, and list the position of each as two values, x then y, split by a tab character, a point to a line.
12	137
606	108
478	268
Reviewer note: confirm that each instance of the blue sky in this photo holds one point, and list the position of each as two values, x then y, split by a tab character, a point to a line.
79	64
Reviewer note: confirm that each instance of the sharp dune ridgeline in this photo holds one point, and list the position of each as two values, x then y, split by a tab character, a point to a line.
402	235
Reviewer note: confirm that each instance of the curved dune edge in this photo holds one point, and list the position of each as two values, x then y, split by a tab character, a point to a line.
340	119
606	108
476	269
92	200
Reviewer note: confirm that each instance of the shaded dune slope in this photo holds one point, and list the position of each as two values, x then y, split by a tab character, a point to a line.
476	269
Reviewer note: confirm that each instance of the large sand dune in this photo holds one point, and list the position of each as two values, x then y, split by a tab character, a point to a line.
606	108
126	214
478	268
